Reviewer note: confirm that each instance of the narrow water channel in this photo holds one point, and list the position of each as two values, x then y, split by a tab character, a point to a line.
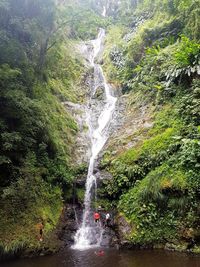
90	233
111	258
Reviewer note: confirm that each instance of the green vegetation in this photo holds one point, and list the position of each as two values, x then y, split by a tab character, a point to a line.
156	54
152	52
39	69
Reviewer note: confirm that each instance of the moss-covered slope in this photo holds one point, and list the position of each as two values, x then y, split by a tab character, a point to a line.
39	70
154	55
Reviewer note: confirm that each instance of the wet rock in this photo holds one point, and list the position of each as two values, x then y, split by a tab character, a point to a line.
95	170
125	244
101	61
109	238
124	229
69	224
80	182
81	152
99	93
181	247
102	176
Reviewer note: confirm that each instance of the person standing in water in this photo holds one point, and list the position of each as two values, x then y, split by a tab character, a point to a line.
107	222
99	253
96	217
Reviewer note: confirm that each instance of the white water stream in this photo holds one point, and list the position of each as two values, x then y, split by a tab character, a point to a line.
90	233
104	11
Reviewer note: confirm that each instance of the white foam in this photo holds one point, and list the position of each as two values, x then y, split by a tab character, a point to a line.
89	235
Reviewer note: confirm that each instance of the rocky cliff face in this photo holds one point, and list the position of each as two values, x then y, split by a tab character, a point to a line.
144	171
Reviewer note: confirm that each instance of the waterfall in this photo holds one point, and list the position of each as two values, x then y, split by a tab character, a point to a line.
90	233
104	11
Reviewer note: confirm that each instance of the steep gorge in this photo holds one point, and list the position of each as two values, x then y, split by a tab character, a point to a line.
148	171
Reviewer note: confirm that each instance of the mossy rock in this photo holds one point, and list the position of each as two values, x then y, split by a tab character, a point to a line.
99	93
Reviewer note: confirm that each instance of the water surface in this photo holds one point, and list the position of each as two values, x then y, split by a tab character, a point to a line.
111	258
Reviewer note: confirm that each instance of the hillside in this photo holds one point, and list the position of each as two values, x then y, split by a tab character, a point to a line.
151	163
153	54
40	71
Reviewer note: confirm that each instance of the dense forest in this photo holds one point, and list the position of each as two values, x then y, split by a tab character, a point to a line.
39	70
152	55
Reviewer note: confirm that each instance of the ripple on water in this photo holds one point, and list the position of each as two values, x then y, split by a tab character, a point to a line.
111	258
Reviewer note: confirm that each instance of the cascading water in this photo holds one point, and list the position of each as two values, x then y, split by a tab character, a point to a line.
104	11
90	234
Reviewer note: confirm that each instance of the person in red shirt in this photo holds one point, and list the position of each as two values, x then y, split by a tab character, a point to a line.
99	253
96	217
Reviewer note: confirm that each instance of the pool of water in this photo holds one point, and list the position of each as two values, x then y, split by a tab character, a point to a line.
111	258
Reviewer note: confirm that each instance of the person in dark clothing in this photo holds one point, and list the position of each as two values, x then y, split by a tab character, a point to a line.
41	227
107	222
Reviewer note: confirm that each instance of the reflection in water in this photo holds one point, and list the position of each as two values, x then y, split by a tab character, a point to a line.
88	258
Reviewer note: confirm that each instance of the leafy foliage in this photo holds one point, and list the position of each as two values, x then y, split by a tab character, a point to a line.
38	71
156	178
